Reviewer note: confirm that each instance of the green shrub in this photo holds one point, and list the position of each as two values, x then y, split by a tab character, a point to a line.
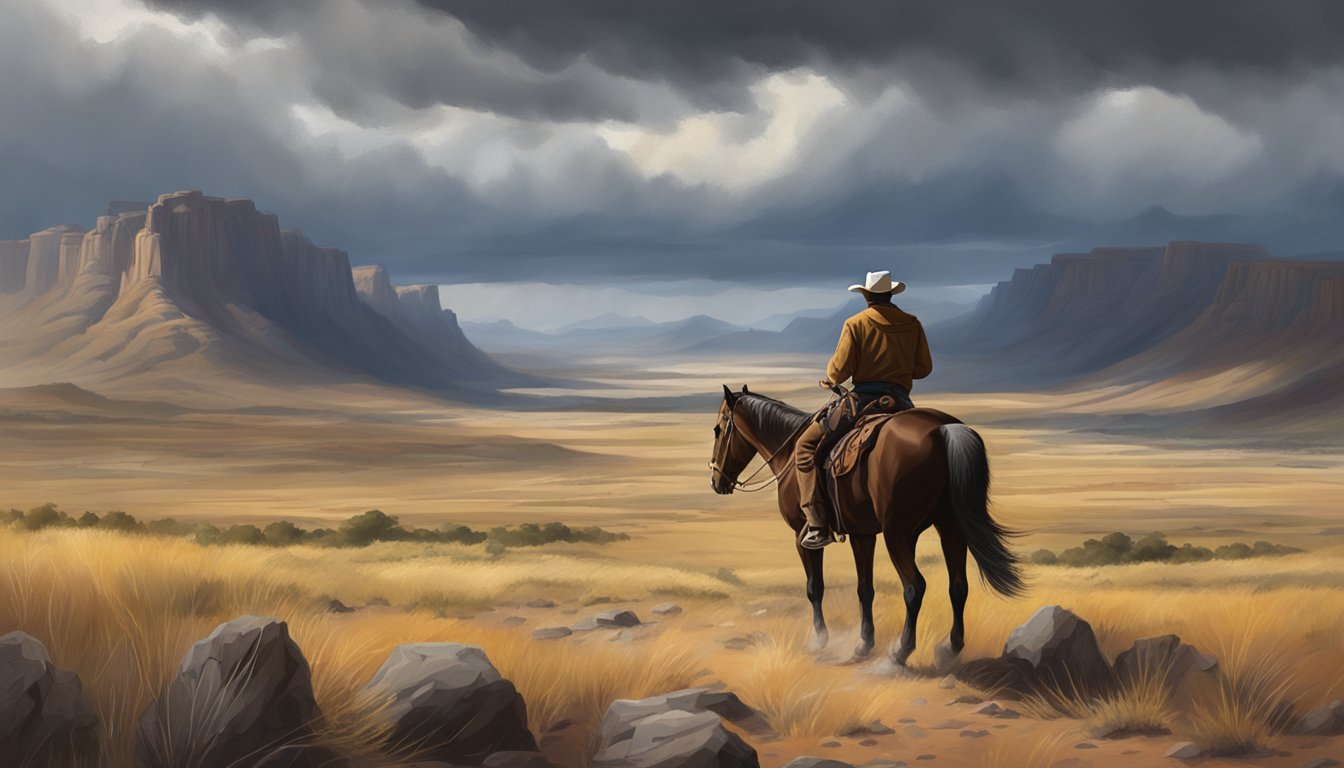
362	530
120	521
1118	548
242	534
282	533
1044	557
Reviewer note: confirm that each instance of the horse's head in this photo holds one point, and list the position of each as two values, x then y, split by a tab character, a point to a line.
732	452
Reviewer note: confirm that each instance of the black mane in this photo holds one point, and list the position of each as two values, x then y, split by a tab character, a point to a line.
775	421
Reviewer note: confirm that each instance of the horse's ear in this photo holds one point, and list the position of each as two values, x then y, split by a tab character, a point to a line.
744	390
727	393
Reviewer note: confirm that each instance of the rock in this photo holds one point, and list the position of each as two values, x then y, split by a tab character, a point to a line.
743	642
46	718
1321	721
832	744
1186	750
672	609
725	704
518	760
551	633
540	603
1084	745
513	621
450	703
674	739
988	708
380	602
1323	762
965	699
875	728
950	725
974	734
919	702
336	606
948	683
868	743
1179	664
1062	651
616	618
259	703
816	762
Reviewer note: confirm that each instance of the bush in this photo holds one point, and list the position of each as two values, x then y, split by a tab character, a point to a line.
282	533
374	525
242	534
119	521
1118	548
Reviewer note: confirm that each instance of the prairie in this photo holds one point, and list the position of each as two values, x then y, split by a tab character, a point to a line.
120	610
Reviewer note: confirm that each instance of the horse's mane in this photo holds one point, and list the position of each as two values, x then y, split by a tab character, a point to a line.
776	419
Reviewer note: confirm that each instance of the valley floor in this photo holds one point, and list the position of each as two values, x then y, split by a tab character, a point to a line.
97	598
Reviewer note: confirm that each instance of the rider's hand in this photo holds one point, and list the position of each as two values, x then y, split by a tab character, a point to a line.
825	384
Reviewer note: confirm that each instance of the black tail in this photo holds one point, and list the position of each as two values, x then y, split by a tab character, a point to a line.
968	485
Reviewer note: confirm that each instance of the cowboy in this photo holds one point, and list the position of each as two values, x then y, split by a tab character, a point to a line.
883	349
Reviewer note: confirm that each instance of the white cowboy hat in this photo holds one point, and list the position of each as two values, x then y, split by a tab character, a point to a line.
879	282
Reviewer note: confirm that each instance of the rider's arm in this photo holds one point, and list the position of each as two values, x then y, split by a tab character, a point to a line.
843	361
923	359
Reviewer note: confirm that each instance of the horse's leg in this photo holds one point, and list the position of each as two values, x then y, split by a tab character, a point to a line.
901	547
954	553
863	545
816	590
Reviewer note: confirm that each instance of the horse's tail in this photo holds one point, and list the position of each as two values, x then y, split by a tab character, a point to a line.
968	487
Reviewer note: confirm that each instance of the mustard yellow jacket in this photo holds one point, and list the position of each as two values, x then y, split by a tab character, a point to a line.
881	343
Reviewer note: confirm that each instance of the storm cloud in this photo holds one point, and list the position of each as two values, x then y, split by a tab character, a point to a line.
775	141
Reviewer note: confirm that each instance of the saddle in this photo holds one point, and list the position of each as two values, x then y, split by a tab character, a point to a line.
853	431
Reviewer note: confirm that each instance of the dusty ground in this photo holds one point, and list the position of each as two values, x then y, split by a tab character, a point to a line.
642	471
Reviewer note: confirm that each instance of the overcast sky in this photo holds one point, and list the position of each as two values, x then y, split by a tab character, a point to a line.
765	142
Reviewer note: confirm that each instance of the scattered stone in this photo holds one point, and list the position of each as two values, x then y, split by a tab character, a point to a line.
882	763
760	612
875	728
1186	750
448	702
816	762
616	618
965	699
513	621
551	633
258	697
379	602
541	602
1084	745
990	708
743	642
1324	762
950	725
927	757
1062	651
948	683
725	704
907	720
596	600
670	609
336	606
629	737
921	701
868	743
974	734
1321	721
831	744
46	718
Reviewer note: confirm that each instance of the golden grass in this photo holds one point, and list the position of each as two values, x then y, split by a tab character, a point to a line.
121	611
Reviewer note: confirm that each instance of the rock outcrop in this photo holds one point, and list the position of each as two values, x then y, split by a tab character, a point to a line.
192	280
446	701
1178	665
46	718
242	695
1054	652
651	734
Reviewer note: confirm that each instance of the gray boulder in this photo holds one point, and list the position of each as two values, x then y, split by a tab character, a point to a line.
243	694
725	704
629	738
446	701
46	718
1062	651
1322	721
616	618
1179	664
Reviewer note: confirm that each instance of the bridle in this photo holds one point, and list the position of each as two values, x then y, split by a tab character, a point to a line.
726	441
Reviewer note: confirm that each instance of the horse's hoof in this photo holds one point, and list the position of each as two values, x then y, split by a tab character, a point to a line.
945	657
819	641
862	650
901	654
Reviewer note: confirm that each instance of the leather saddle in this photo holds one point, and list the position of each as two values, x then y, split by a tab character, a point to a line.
858	430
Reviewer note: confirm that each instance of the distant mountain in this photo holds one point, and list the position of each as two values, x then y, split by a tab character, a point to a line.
1187	325
640	338
199	293
606	321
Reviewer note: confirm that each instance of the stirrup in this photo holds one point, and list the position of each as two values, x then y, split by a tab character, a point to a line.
820	543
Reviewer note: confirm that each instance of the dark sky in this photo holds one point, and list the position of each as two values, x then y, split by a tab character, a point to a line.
769	141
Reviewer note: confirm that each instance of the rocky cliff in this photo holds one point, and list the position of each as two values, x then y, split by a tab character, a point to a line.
195	280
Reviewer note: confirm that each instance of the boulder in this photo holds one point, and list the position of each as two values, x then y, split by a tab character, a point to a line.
46	718
673	739
1062	651
1178	663
616	618
243	693
725	704
449	703
1321	721
668	609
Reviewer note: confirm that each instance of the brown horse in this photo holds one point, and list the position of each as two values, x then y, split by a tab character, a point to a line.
926	469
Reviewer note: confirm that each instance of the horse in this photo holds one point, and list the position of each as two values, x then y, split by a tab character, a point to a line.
925	469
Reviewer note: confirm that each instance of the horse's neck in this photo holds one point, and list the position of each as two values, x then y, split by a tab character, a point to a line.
776	449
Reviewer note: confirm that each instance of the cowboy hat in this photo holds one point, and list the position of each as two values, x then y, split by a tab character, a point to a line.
879	282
